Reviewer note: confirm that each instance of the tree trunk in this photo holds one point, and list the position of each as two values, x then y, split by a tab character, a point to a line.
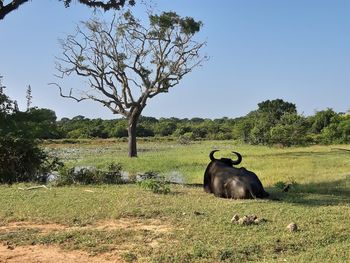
132	151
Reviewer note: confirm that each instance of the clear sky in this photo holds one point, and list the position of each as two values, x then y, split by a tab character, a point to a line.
296	50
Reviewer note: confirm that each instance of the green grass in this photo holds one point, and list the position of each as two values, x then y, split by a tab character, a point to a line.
306	165
199	223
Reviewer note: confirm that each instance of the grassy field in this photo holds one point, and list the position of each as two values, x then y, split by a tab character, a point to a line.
124	223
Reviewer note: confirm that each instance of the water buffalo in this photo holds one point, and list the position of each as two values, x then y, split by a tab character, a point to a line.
226	181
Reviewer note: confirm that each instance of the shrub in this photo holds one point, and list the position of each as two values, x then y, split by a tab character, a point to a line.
113	174
156	186
185	139
90	175
152	182
21	159
280	185
291	183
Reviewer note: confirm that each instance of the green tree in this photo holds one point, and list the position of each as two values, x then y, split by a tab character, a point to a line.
127	63
275	109
338	131
6	7
260	132
241	130
322	119
291	130
262	120
165	128
42	123
120	130
21	159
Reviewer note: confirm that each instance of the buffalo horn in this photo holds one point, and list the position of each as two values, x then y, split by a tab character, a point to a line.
211	155
239	159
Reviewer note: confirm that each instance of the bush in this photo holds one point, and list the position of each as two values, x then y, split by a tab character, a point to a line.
186	138
291	130
280	185
21	159
90	175
291	183
152	182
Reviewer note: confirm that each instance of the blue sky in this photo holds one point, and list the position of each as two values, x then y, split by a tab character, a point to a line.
296	50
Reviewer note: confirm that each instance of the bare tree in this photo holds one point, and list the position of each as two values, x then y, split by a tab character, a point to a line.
7	7
126	63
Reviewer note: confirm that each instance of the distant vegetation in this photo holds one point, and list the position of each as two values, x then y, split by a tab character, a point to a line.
275	122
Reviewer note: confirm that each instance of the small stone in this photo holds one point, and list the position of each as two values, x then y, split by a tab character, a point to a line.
235	218
198	213
241	221
292	227
253	217
245	220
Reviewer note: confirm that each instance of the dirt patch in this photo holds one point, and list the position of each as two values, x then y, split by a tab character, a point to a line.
48	254
154	225
42	253
43	228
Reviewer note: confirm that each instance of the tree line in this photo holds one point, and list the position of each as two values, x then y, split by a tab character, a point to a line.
274	122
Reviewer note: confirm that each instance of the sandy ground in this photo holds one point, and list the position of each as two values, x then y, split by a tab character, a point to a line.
46	254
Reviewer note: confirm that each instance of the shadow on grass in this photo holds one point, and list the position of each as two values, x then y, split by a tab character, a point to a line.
316	194
312	194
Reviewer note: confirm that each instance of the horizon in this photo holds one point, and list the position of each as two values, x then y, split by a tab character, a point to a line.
194	117
295	51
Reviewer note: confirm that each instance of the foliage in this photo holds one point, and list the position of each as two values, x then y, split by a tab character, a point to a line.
154	183
21	158
290	184
275	109
257	127
280	185
289	131
322	119
6	8
105	5
90	175
338	131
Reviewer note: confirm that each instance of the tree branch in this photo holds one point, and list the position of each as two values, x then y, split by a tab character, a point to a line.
13	5
105	5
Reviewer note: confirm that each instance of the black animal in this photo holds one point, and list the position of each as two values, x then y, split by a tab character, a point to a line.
226	181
